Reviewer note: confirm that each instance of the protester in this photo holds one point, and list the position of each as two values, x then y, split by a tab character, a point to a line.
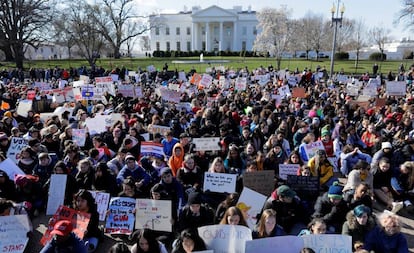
267	225
64	239
317	226
189	241
146	242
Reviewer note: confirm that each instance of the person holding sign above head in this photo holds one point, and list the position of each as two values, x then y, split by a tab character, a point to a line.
64	240
267	226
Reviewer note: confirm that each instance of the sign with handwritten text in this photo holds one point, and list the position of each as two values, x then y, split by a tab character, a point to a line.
153	214
121	216
13	233
219	182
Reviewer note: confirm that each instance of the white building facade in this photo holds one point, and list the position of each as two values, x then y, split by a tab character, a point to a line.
210	29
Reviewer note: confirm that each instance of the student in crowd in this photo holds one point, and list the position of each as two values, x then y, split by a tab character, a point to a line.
145	241
317	226
233	216
64	239
359	222
189	241
267	225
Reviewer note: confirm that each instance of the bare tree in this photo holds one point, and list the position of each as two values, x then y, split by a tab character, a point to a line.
307	27
379	35
344	36
276	32
22	23
405	15
358	40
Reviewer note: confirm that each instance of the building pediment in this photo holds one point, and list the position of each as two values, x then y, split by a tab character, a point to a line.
214	11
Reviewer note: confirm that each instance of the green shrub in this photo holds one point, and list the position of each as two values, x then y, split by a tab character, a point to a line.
377	57
342	56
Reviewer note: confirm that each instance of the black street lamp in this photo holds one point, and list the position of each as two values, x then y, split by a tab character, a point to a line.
335	21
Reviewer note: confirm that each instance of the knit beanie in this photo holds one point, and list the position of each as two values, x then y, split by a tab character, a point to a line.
361	209
335	191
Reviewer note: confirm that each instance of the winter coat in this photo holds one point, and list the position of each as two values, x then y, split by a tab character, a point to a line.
354	229
379	242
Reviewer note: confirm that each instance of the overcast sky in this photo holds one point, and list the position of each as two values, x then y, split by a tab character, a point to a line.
372	12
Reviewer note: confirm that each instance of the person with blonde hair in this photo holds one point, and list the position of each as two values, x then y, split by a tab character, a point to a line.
267	225
386	237
233	216
217	166
321	167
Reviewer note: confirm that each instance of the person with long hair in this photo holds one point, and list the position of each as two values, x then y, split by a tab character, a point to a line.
189	241
85	175
267	225
146	242
217	166
84	202
321	167
231	200
317	226
233	216
403	185
359	222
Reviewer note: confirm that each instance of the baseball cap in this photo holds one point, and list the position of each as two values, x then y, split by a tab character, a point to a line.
285	191
62	228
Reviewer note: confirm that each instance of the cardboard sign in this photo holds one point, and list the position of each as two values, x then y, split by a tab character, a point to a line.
287	169
80	221
328	243
260	181
16	146
23	107
285	244
149	148
298	92
153	214
79	136
121	217
13	233
250	204
220	182
57	190
306	188
311	148
9	166
225	238
396	88
206	144
102	201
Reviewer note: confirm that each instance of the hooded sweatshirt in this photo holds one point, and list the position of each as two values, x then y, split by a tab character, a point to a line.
176	161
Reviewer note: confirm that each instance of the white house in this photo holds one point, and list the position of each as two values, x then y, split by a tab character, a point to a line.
210	29
394	50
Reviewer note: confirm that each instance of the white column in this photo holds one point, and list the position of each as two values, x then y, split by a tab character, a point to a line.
207	35
234	36
221	36
193	39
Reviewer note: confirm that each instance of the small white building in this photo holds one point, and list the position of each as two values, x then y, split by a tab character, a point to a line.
394	50
210	29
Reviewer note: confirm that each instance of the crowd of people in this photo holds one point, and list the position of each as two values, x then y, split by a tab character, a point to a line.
372	147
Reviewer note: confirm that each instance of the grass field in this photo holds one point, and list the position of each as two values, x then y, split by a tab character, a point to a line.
234	62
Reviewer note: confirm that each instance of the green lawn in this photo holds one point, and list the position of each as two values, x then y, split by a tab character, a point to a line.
234	62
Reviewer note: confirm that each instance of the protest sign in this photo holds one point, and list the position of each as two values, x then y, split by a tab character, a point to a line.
16	145
311	148
57	190
219	182
153	214
396	88
370	89
102	201
206	144
42	86
9	166
23	107
292	80
169	95
307	188
328	243
298	92
341	78
380	102
127	90
84	78
80	221
79	136
250	204
225	238
260	181
121	216
284	91
195	79
115	77
184	106
182	76
158	129
352	89
149	148
13	233
287	169
97	124
241	84
285	244
138	91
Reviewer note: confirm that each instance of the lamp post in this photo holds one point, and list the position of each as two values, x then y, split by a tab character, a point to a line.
335	21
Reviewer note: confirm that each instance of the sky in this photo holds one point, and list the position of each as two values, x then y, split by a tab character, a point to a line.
379	13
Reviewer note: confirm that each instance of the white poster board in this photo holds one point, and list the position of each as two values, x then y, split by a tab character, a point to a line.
225	238
311	148
121	218
285	244
16	145
251	204
396	88
9	166
97	124
206	144
153	214
13	233
23	107
56	193
328	243
220	182
288	169
79	136
102	201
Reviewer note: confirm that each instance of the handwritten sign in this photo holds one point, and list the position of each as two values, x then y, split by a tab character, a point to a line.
225	238
16	145
219	182
79	136
97	124
13	233
311	148
23	107
284	91
251	203
153	214
396	88
287	169
152	149
102	201
80	221
260	181
158	129
206	144
121	217
206	81
285	244
307	188
328	243
56	193
9	166
241	84
126	90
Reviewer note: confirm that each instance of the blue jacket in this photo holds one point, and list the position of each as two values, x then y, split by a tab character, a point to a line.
137	174
380	242
277	231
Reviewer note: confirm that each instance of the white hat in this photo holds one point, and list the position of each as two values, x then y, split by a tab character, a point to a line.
386	145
